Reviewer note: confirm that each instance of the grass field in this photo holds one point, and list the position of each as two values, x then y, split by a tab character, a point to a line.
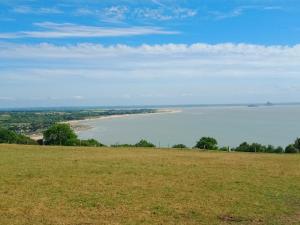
85	186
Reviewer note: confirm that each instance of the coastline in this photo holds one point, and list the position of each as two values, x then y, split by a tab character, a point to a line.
78	126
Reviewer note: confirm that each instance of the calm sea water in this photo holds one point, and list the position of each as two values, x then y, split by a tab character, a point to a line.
277	125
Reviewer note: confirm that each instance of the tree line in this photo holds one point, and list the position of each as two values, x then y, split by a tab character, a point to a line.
63	135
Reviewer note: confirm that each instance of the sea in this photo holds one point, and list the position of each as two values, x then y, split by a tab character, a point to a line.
277	125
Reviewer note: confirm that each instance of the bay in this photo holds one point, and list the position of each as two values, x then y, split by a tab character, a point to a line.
276	125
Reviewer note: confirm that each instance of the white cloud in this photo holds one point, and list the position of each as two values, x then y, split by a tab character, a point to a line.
224	15
119	13
185	12
170	61
69	30
114	13
164	13
238	11
149	13
42	10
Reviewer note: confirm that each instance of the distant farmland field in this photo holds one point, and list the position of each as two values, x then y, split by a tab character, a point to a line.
87	186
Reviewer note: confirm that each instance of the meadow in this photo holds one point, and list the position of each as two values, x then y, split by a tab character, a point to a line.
91	186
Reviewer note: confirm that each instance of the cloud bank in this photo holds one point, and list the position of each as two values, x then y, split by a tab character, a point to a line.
198	59
169	73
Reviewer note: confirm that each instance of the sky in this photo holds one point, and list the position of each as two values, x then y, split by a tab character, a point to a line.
148	52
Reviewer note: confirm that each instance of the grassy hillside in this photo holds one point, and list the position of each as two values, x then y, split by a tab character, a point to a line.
85	186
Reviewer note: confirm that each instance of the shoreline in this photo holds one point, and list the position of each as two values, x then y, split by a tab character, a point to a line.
78	126
159	111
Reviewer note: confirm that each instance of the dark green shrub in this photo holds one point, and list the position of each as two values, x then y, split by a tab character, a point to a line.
91	143
272	149
179	146
255	147
40	141
225	149
72	142
22	139
8	136
122	145
60	134
144	143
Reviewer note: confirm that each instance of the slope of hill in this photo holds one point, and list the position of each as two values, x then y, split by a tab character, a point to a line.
66	185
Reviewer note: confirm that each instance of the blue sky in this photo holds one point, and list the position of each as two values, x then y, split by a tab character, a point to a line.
76	52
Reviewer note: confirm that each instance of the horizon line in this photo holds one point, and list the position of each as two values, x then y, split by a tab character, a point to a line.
268	103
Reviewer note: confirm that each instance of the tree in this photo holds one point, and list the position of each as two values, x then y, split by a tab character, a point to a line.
297	143
207	143
8	136
279	149
272	149
291	149
179	146
244	147
144	143
255	147
60	134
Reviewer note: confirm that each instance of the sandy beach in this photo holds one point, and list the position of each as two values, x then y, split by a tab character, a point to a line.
36	136
78	125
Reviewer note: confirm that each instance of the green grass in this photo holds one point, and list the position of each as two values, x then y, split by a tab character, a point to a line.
85	186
